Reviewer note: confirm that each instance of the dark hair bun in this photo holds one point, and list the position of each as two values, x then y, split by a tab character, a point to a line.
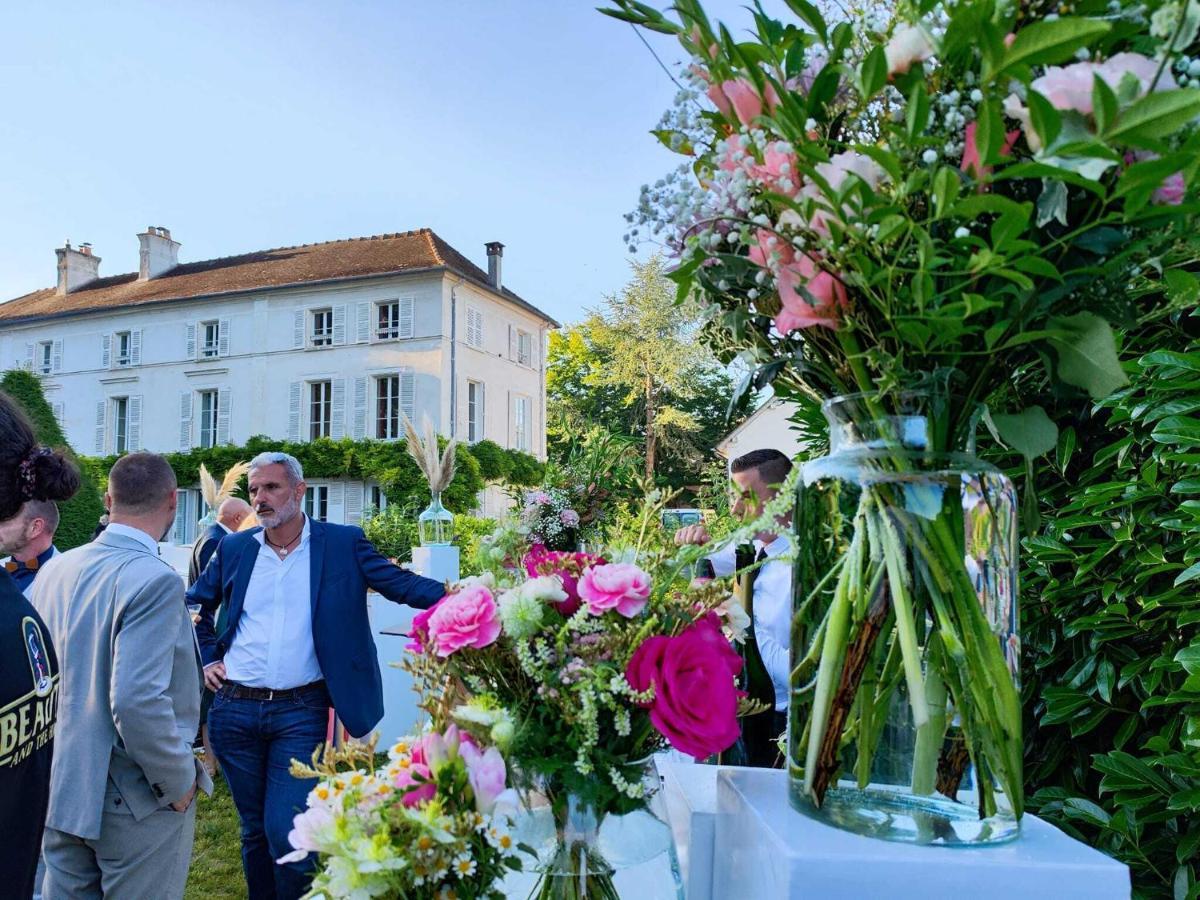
55	477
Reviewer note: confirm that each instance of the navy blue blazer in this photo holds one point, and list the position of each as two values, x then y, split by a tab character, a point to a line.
203	550
343	565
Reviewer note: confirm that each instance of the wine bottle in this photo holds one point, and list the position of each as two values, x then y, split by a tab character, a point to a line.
757	729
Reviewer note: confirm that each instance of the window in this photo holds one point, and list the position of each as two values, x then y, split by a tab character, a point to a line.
187	507
316	502
388	321
474	411
45	357
521	423
208	418
378	498
320	409
120	417
124	348
387	407
474	327
524	348
322	328
210	345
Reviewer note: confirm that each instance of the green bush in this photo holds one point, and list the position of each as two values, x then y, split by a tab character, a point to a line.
394	533
495	463
79	515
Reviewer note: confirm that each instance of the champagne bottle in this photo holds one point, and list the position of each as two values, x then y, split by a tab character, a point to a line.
758	729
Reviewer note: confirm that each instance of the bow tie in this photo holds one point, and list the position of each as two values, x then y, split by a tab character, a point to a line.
14	566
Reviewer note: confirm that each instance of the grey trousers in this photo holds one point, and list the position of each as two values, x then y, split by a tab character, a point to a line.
131	860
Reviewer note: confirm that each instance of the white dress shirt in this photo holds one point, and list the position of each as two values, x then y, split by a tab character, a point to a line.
273	646
137	534
772	609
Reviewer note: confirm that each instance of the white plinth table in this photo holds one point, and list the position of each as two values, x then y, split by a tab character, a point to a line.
738	837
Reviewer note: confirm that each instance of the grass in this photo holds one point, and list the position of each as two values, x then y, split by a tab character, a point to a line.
216	872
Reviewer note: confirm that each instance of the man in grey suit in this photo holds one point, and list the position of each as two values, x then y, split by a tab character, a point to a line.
121	817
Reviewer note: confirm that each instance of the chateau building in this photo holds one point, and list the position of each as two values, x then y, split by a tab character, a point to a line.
332	339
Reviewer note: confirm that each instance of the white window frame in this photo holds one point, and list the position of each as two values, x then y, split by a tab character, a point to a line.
122	355
474	328
387	419
44	361
523	423
208	429
475	411
316	502
120	424
187	506
322	427
524	348
324	337
378	499
210	350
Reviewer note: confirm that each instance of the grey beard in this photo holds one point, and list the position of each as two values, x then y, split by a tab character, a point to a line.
282	516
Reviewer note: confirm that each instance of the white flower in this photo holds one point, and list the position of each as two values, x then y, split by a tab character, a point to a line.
961	232
910	44
735	619
977	96
464	866
929	157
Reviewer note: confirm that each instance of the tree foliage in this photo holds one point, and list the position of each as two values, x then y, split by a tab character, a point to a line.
79	515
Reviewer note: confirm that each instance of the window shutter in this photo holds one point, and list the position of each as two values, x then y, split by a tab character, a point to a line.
337	503
185	420
191	340
339	325
481	412
59	410
362	329
28	364
360	408
223	337
337	428
101	412
408	395
106	352
354	503
134	434
135	347
294	411
58	356
407	316
298	330
512	342
223	397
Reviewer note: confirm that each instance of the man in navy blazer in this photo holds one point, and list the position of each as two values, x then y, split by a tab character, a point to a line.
296	641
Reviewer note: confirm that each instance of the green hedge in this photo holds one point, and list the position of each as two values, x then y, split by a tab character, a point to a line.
394	533
80	514
386	462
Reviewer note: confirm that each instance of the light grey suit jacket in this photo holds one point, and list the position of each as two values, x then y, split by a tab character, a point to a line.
129	701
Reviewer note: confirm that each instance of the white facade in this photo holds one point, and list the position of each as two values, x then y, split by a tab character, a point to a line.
336	359
768	428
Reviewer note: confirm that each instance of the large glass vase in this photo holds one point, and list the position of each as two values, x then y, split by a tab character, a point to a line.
435	526
904	717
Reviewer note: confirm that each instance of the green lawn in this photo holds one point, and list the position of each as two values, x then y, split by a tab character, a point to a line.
216	872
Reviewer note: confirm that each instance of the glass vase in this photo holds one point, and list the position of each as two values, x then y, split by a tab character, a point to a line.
435	526
584	853
904	716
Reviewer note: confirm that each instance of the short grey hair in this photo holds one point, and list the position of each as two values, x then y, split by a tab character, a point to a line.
272	457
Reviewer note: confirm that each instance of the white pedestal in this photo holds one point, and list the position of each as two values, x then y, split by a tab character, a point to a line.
690	794
438	563
389	623
767	849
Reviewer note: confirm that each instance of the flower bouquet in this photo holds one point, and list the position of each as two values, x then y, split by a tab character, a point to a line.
548	520
583	669
900	214
427	823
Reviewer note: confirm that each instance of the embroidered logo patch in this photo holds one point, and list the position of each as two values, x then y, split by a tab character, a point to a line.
39	659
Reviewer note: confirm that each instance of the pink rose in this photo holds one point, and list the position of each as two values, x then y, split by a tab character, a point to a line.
740	98
414	792
695	698
835	172
419	636
466	619
620	586
910	44
809	296
487	774
1068	87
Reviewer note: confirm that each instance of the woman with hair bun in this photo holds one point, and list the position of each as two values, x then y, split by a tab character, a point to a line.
28	667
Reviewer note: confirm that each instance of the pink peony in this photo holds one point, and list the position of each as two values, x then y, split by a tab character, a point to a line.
1068	87
810	296
620	586
487	774
466	619
414	792
695	698
910	44
419	636
740	98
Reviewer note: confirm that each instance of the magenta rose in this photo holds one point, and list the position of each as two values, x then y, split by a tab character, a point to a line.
620	586
567	566
466	619
695	698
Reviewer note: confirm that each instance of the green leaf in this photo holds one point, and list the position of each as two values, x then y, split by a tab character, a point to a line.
1066	447
1046	43
1182	286
873	75
811	16
1029	432
1154	117
1052	203
1087	354
1189	574
1104	103
916	115
1046	120
1177	430
946	184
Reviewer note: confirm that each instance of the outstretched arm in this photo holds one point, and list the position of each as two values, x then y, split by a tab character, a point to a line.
395	583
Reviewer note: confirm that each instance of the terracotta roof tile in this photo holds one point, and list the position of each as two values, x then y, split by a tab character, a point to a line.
408	251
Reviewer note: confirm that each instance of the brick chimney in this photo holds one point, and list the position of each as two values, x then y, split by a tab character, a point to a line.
158	253
76	268
495	252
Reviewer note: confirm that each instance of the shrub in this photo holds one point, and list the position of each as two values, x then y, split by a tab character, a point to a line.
79	515
394	533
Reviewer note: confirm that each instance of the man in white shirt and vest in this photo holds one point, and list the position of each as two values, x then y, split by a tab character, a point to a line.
756	478
27	541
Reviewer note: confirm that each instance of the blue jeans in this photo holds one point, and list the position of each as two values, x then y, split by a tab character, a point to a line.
255	742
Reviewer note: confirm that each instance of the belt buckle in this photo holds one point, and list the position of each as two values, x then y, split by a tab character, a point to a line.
270	693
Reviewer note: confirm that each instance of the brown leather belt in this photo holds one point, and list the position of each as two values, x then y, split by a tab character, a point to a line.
246	692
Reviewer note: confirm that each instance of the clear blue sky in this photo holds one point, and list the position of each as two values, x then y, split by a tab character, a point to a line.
243	126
